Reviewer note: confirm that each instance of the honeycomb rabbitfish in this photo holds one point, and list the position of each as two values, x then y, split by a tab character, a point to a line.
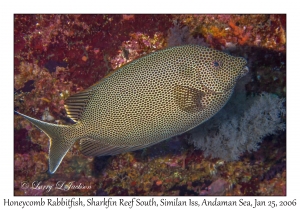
146	101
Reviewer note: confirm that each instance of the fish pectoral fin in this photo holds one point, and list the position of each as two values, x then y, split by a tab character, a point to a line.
91	147
189	99
76	104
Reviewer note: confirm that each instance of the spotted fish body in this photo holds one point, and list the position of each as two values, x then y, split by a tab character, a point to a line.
148	100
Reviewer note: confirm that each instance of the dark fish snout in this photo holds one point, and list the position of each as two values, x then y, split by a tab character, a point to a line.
244	71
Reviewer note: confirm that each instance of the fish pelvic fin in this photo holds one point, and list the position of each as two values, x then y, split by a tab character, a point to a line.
60	143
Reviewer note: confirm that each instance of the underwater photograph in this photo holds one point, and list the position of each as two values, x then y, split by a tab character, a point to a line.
150	105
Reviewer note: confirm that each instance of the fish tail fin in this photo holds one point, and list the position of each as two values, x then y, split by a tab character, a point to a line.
59	141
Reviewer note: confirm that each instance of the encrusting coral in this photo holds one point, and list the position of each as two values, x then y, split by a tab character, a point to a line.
59	55
181	36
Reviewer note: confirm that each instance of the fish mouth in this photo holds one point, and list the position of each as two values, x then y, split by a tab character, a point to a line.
244	71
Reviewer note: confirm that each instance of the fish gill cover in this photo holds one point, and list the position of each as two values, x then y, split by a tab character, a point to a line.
86	48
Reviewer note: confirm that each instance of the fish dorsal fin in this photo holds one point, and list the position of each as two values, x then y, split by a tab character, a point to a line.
76	104
188	99
91	147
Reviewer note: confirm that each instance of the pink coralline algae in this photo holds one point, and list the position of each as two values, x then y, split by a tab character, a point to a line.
218	187
56	56
179	35
138	45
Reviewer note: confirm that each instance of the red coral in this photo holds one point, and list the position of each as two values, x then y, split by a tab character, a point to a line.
87	47
242	34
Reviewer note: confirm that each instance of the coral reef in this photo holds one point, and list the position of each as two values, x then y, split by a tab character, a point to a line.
181	36
218	187
138	45
59	55
265	31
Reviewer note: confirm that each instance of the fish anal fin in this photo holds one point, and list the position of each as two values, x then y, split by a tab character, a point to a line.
76	104
189	99
91	147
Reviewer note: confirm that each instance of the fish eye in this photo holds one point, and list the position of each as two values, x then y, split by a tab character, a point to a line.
217	64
